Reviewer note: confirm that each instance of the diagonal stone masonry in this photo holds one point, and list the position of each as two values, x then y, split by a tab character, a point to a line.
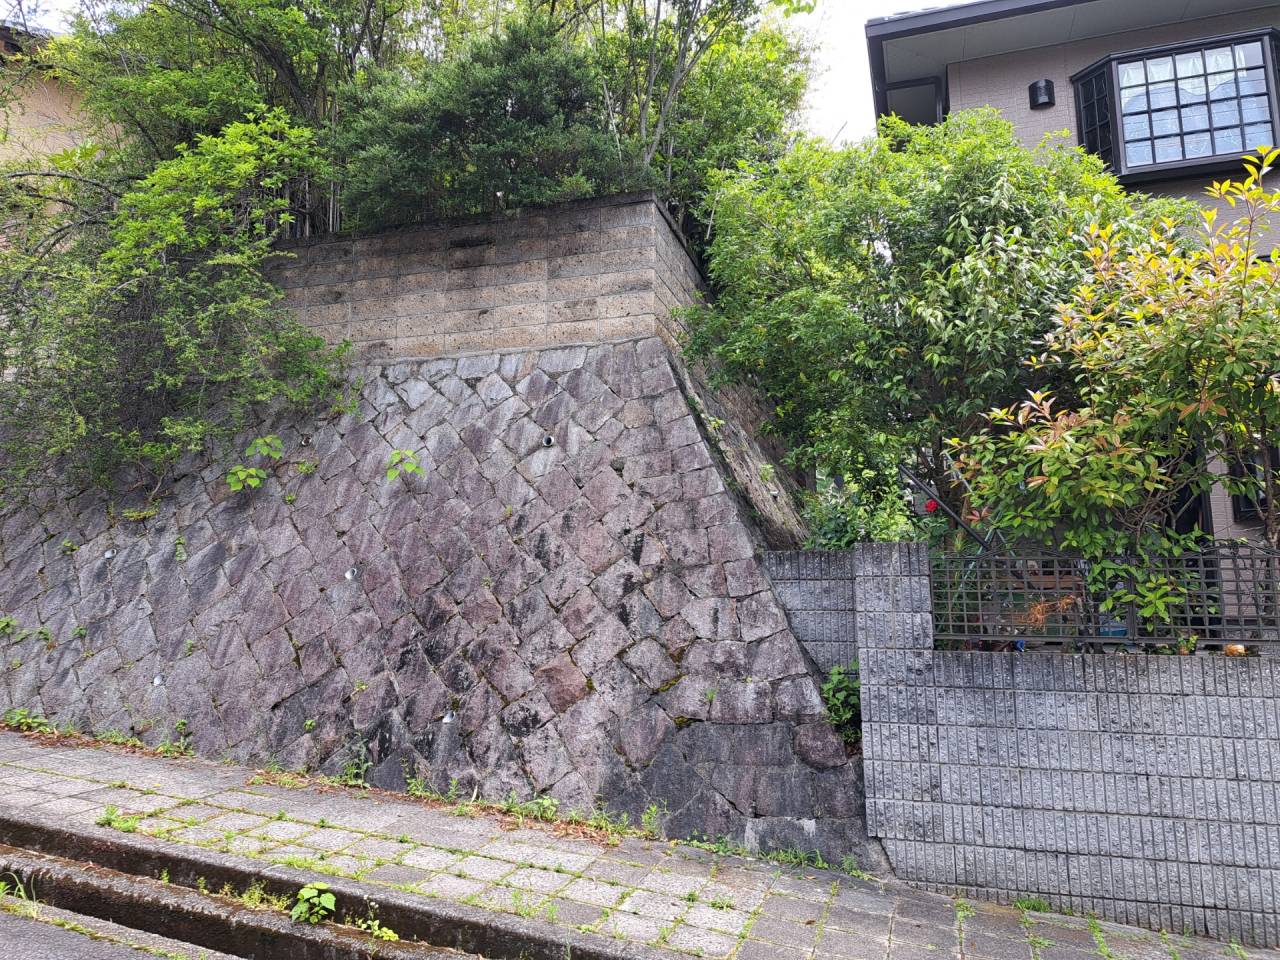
566	601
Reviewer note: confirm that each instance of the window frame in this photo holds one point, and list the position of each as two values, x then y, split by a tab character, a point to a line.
1174	169
1246	510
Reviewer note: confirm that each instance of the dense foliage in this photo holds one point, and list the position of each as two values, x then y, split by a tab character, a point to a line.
137	321
1172	355
886	295
518	119
149	329
549	107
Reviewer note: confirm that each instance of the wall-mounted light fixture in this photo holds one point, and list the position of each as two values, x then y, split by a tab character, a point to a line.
1041	94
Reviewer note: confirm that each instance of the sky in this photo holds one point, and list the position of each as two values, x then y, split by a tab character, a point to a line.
839	106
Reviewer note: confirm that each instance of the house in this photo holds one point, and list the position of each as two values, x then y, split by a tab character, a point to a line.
1170	93
40	114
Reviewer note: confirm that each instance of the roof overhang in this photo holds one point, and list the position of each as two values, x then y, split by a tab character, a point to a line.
909	48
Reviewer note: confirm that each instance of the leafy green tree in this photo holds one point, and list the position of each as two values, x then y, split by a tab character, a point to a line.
136	322
515	120
1173	356
154	76
740	106
885	296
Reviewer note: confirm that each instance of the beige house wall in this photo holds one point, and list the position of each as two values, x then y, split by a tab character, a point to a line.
1002	81
42	118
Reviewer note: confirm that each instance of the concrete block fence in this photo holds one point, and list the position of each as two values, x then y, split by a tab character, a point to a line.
1141	789
816	586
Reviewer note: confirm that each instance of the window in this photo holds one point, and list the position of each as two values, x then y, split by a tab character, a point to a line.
1247	508
1155	112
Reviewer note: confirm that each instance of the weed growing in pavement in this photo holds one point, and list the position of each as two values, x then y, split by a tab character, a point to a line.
314	904
651	820
1033	904
849	865
20	718
113	818
354	773
118	739
543	809
374	927
964	911
256	897
530	909
180	746
28	905
1099	940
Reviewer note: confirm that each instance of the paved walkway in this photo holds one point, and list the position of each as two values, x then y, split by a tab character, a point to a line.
678	899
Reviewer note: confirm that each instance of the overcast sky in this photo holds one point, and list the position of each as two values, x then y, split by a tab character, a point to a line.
840	99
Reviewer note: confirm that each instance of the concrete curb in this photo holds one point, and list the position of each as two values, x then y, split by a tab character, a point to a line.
178	913
438	923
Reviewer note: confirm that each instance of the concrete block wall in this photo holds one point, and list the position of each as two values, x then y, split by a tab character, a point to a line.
585	272
816	587
1141	789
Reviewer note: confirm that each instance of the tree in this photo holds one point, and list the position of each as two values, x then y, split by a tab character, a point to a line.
136	323
739	107
1173	356
156	75
515	120
652	49
885	295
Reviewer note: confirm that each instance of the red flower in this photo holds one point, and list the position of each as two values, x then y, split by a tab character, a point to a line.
931	506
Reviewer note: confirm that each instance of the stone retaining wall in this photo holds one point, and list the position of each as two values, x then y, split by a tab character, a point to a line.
585	272
1143	789
566	601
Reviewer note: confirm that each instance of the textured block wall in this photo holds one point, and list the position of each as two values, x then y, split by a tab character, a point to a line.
816	588
1143	789
567	601
583	272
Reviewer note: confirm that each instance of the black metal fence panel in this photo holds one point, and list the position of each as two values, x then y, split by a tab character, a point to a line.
1225	596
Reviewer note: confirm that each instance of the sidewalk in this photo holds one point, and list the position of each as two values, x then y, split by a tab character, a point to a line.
675	899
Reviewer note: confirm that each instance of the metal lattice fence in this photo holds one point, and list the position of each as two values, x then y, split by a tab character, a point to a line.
1226	594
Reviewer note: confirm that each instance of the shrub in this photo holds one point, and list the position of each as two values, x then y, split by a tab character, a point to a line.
1170	348
153	331
885	295
514	121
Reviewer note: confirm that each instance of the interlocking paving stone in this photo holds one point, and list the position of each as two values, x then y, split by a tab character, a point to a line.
637	891
594	892
539	881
